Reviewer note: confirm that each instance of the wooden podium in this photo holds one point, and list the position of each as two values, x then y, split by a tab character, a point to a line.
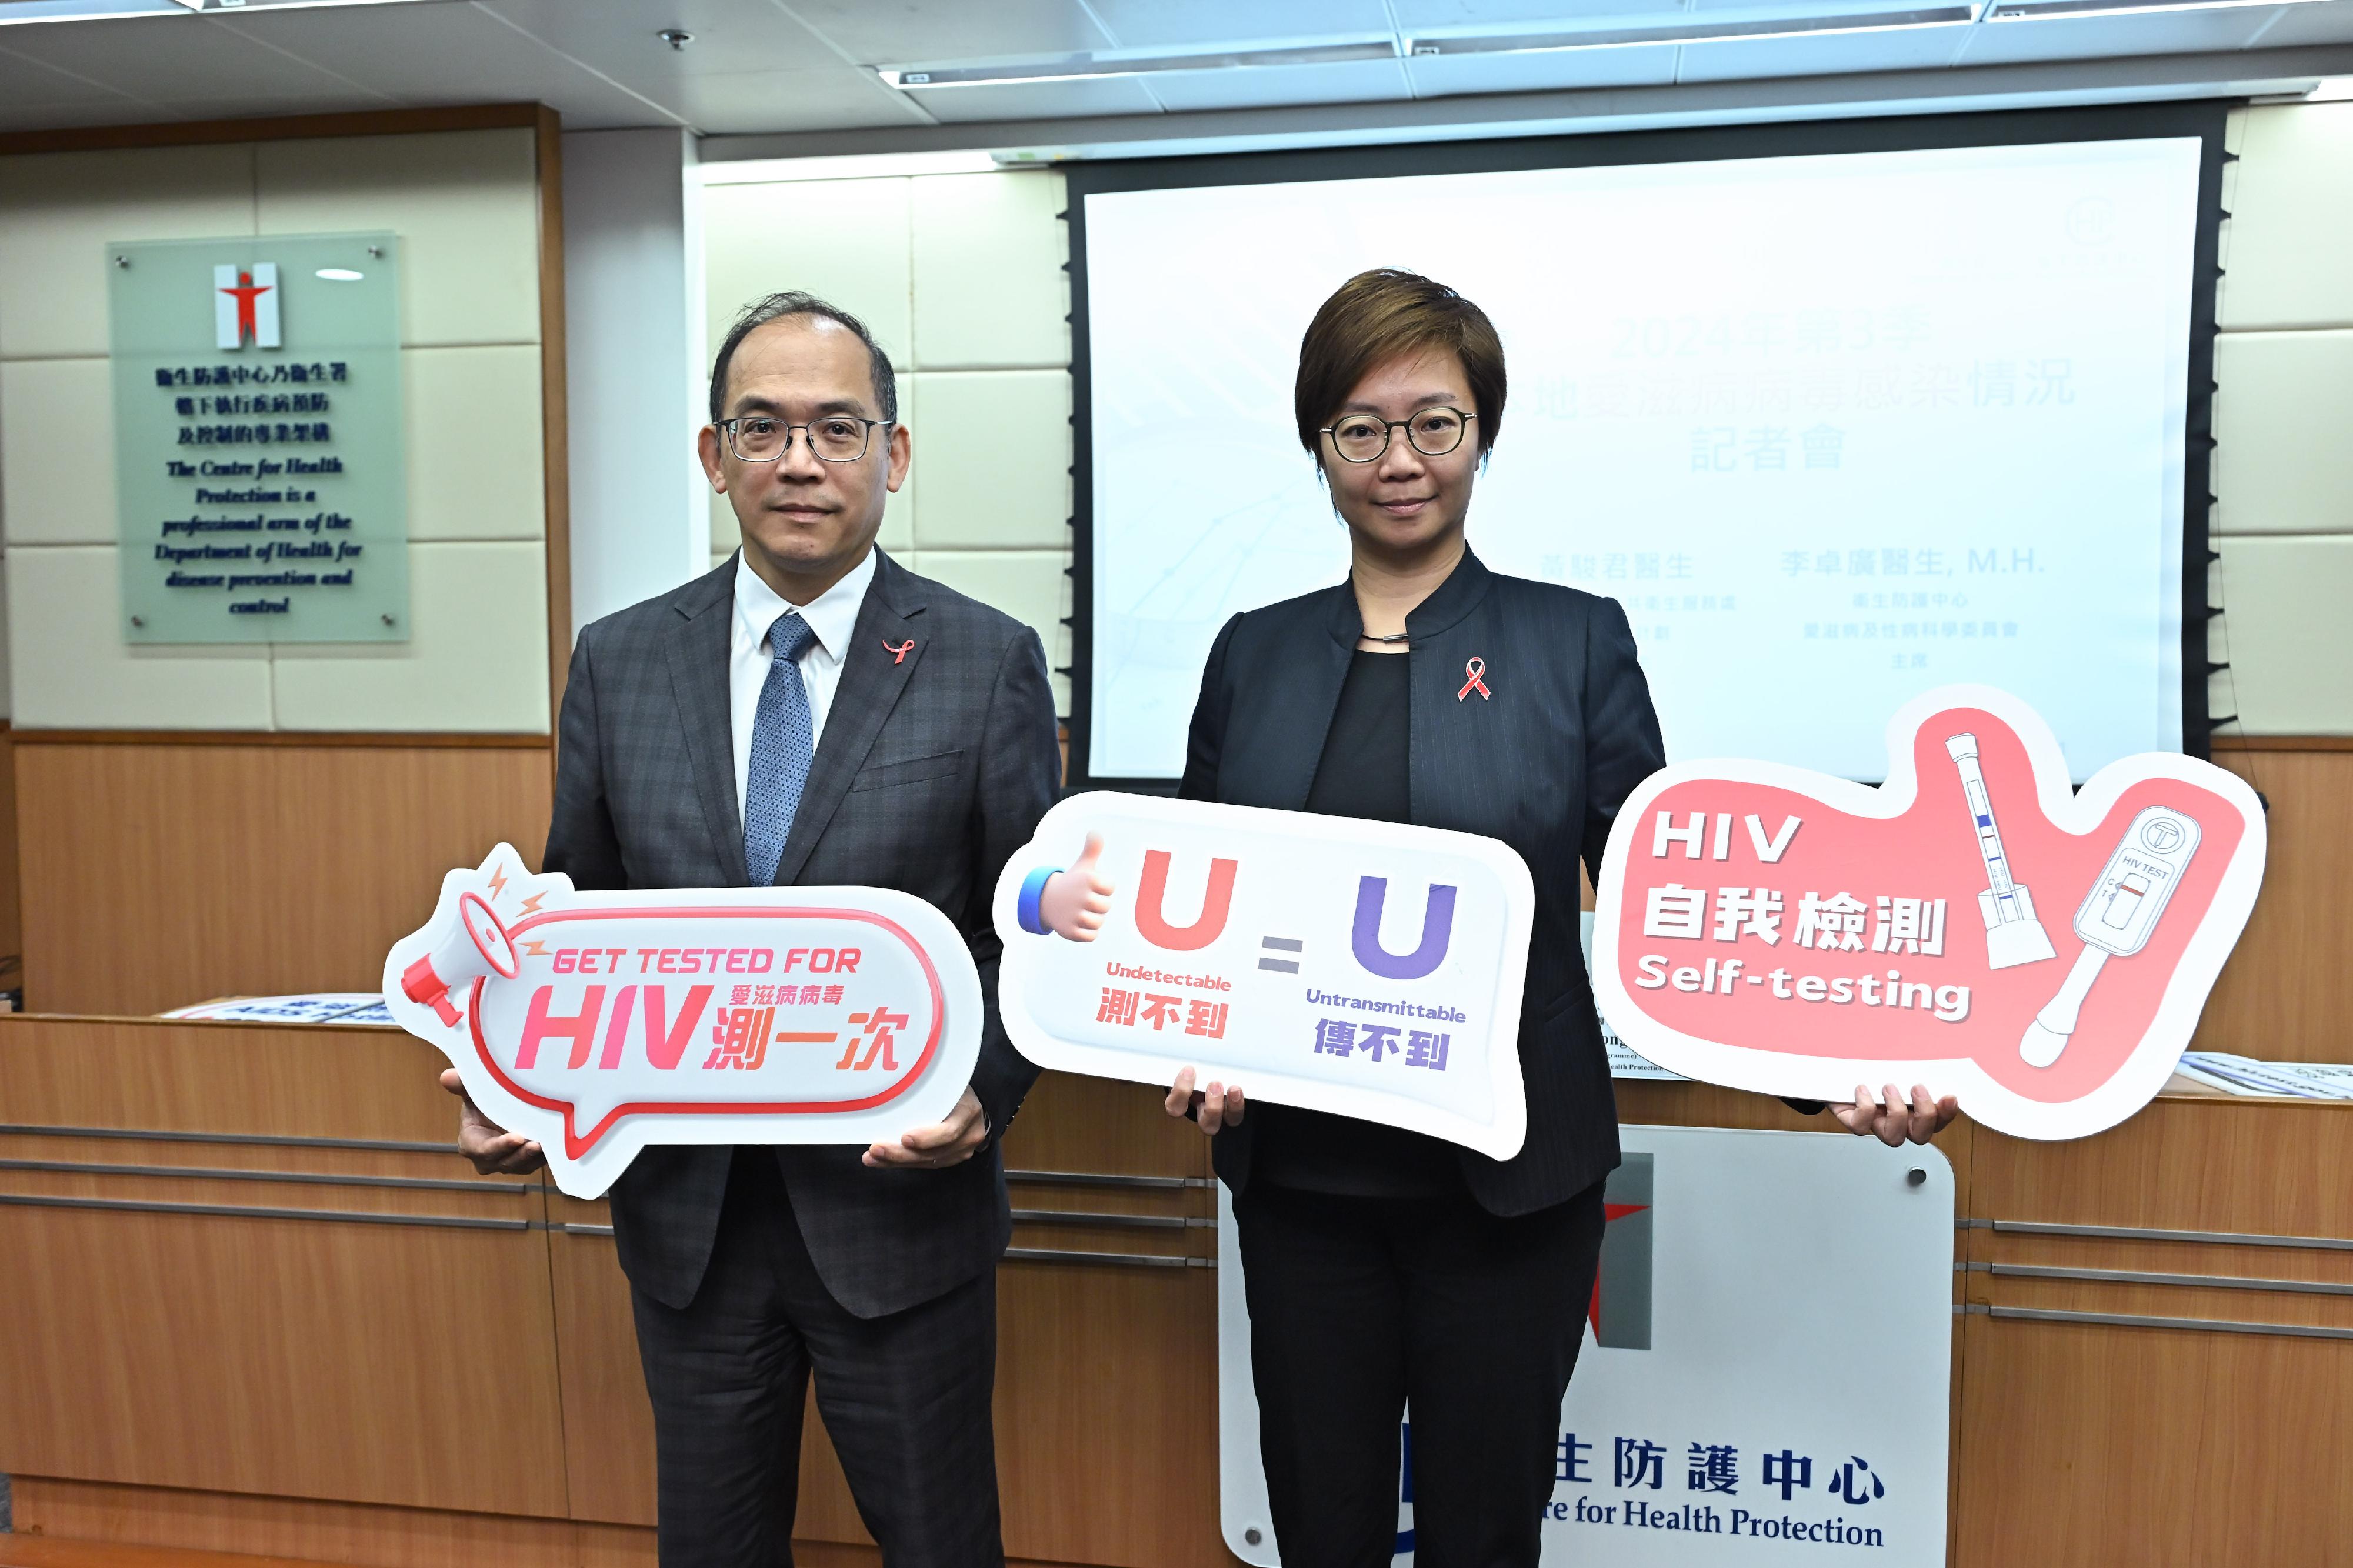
252	1301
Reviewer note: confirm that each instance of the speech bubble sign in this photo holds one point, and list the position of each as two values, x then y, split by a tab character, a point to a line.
599	1023
1367	968
1972	924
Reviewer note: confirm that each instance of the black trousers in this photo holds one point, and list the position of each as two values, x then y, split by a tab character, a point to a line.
906	1399
1357	1305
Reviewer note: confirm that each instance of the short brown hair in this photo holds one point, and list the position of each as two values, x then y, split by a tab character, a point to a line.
1379	315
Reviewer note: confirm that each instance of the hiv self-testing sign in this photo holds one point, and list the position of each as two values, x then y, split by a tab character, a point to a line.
599	1023
1370	969
1973	923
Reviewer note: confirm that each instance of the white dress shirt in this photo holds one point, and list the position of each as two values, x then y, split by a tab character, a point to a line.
833	615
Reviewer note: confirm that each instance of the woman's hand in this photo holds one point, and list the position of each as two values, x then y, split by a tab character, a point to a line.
1214	1107
1892	1120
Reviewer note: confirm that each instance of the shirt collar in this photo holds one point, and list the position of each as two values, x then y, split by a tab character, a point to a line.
832	614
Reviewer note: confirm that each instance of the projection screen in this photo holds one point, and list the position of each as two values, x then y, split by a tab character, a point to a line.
1839	413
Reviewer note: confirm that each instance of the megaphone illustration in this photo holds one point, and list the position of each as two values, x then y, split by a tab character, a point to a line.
476	947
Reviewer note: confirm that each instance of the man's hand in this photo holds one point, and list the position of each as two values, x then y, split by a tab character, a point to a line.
936	1147
1892	1120
494	1150
1214	1107
1074	901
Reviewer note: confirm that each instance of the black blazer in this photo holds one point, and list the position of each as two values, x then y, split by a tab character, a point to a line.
1542	764
932	769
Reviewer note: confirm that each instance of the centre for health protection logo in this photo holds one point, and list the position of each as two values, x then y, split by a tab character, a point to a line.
244	306
1620	1310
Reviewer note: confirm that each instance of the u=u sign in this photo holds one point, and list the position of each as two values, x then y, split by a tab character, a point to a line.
1365	931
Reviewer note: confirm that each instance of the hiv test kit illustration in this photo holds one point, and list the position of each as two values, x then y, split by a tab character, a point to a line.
1778	930
1365	968
599	1023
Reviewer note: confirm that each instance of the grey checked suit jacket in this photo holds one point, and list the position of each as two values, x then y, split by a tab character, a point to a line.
932	770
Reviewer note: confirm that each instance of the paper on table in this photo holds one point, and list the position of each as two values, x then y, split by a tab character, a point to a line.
310	1007
2244	1075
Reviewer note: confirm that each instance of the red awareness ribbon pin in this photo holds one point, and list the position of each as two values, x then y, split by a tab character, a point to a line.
1474	669
898	651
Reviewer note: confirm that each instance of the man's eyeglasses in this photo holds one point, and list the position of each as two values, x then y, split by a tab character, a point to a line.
1434	432
835	438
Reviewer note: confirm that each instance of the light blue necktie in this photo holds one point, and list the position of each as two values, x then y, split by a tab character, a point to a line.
782	739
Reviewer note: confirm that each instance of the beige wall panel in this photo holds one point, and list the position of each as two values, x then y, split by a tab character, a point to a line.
59	210
1028	584
2282	464
2284	619
70	668
989	289
842	240
57	451
464	202
2291	224
474	469
476	658
997	458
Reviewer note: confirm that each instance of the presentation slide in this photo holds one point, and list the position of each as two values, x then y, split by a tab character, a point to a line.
1834	429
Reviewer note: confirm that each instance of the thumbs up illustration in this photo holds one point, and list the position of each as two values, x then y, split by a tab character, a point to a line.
1072	902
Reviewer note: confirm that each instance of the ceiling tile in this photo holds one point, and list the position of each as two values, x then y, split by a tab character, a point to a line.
25	83
755	103
449	53
1267	87
1252	24
1912	48
617	36
1039	101
1642	65
933	32
161	58
2300	25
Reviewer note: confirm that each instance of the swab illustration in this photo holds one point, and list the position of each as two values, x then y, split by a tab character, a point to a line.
2013	936
2115	919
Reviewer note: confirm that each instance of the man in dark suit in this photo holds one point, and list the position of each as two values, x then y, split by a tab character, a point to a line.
812	712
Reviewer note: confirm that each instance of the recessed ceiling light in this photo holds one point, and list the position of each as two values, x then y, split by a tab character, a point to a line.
1698	32
340	275
2036	10
19	11
848	166
1092	67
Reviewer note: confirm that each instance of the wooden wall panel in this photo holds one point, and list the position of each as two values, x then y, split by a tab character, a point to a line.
404	1355
156	875
2093	1446
2288	988
2264	1167
12	936
608	1427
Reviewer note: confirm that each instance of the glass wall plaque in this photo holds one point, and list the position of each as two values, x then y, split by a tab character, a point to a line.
258	438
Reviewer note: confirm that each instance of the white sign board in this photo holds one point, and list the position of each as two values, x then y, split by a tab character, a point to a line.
599	1023
1370	968
1973	924
1714	1421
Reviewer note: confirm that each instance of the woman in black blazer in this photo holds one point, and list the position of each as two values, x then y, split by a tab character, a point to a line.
1382	1265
